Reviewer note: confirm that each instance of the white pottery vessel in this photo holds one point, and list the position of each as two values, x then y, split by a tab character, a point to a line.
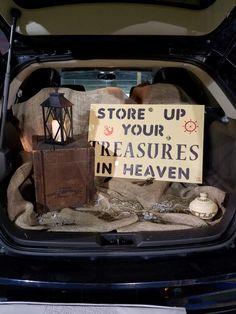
203	207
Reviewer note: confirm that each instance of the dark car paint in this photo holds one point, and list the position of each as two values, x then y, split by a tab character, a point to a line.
199	283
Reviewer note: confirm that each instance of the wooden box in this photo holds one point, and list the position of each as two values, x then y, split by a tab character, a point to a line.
64	175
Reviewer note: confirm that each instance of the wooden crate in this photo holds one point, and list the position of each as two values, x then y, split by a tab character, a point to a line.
64	175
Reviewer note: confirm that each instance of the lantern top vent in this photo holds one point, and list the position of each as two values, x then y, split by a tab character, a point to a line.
56	100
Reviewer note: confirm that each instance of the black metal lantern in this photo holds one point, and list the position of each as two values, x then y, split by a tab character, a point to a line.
57	119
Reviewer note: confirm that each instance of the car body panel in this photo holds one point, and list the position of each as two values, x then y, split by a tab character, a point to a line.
199	284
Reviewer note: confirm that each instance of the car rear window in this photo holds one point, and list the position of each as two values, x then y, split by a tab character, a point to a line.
94	79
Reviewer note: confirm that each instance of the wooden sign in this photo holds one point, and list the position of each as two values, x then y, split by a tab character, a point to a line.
164	142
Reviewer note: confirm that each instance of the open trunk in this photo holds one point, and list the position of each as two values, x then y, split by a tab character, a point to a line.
133	214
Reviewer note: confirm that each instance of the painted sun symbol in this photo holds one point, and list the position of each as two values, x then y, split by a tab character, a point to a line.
190	126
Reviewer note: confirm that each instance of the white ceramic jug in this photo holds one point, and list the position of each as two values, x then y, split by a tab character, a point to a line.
203	207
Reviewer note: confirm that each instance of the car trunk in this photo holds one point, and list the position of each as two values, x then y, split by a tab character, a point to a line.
124	216
128	213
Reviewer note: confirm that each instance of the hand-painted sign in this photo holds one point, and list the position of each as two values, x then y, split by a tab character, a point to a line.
164	142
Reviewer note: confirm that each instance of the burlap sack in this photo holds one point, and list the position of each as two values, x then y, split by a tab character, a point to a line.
160	93
133	198
181	219
151	226
146	195
75	221
28	220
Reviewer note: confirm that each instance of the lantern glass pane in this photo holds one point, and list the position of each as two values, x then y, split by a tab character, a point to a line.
57	117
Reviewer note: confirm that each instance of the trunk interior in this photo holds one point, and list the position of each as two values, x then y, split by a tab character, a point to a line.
132	214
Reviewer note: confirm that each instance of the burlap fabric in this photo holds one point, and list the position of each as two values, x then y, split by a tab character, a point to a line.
29	113
140	191
123	209
160	93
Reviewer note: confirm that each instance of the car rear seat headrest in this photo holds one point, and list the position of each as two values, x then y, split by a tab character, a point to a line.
79	88
160	93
